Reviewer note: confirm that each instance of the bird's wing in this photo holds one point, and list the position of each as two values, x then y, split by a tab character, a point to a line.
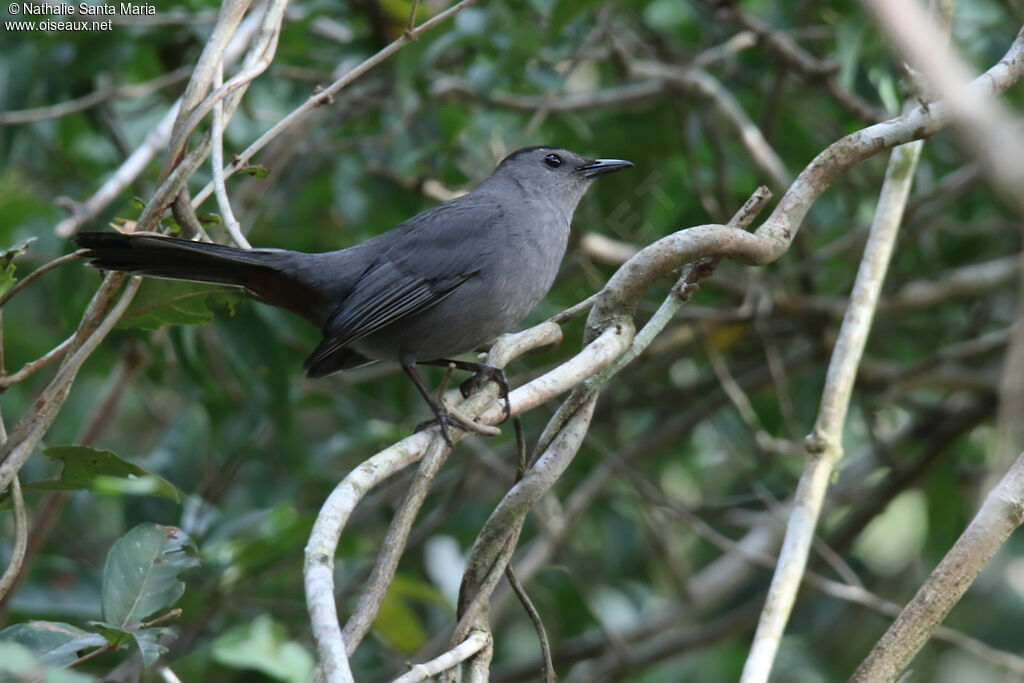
420	263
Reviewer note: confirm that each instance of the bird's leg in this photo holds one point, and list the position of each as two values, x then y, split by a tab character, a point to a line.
445	417
481	373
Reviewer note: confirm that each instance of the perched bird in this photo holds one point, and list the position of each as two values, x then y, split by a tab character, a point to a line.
439	284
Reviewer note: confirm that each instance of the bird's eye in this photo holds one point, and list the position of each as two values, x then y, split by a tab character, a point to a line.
553	160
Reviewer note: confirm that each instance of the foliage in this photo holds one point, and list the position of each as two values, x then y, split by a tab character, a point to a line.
140	578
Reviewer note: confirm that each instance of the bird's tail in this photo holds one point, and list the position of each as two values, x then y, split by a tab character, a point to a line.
266	273
168	257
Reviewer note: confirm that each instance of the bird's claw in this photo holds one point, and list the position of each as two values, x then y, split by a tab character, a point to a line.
488	373
452	417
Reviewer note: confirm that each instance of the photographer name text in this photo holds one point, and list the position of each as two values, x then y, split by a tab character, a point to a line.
62	9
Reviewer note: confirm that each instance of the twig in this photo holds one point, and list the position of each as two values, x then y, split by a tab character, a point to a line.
95	325
494	544
773	237
39	272
1000	514
574	311
393	546
33	366
323	541
806	64
824	445
197	101
848	592
766	443
460	653
217	164
548	668
564	102
327	94
990	129
56	111
13	570
228	20
699	82
155	142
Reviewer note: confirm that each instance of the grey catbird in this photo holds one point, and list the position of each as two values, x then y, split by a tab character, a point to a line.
437	285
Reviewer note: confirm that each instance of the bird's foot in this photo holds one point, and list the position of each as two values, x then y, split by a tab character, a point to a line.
453	417
484	374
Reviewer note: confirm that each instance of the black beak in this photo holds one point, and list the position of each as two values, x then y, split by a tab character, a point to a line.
597	167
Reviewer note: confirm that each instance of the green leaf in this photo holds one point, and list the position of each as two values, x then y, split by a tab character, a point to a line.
7	266
52	642
166	302
148	640
112	635
92	469
256	171
398	626
263	645
18	663
208	218
397	623
140	576
138	202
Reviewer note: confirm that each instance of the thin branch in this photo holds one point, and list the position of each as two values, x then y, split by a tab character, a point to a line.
96	324
772	239
494	544
20	544
548	669
699	82
326	95
848	592
217	164
824	445
470	646
39	272
154	143
197	101
56	111
334	514
33	366
987	125
1000	514
639	91
804	63
393	546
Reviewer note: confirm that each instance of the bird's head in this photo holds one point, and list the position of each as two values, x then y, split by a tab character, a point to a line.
552	172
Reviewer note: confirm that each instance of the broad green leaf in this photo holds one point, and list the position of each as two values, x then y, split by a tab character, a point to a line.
52	642
101	471
148	641
263	645
140	576
167	302
18	663
397	623
7	266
